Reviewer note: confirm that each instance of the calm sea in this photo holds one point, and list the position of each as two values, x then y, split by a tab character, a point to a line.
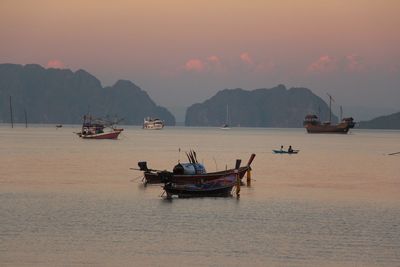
71	202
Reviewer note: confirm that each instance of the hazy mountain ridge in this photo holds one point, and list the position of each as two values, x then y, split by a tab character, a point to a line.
63	96
275	107
391	121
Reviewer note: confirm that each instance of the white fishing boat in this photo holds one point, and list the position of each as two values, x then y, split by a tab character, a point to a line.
153	124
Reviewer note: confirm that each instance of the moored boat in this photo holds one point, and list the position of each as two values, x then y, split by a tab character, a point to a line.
314	125
192	172
98	129
150	123
285	151
219	187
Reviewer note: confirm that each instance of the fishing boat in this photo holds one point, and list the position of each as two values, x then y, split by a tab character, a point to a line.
285	151
189	173
93	128
150	123
219	187
314	125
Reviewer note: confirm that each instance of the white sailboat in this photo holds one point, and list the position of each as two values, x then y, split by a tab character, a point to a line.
225	126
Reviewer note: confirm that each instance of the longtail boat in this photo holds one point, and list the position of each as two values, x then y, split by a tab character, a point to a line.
189	173
219	187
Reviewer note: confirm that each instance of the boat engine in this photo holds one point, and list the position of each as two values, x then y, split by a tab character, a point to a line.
189	169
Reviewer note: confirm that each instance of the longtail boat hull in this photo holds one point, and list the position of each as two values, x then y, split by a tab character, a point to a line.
220	187
155	178
110	135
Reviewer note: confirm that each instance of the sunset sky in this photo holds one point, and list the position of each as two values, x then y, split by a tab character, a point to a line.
184	51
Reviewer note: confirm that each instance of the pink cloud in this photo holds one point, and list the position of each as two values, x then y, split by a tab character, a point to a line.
194	65
246	58
55	64
214	59
323	64
256	66
354	63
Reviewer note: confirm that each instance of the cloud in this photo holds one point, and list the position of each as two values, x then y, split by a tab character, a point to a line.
215	65
354	63
323	64
246	58
195	65
256	66
55	64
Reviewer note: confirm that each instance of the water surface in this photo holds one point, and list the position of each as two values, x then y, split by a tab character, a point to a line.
72	202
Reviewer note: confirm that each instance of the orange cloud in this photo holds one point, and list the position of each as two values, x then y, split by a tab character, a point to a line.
323	64
55	64
194	65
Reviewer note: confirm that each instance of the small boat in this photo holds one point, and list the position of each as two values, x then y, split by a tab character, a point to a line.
189	173
219	187
285	151
98	129
225	126
150	123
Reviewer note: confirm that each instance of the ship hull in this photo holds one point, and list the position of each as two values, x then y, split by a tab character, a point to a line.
156	178
334	129
220	187
110	135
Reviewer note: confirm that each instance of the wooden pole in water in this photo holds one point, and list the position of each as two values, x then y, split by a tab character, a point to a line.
11	114
238	161
248	177
26	119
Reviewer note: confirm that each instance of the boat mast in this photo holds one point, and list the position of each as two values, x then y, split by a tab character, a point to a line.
341	113
330	107
227	114
11	114
26	119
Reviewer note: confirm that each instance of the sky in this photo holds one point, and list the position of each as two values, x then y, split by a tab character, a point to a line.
183	51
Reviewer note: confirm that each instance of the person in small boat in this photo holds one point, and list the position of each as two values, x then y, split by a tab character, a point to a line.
290	149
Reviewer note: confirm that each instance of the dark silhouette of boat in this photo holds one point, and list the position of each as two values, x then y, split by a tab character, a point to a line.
189	173
314	125
285	151
219	187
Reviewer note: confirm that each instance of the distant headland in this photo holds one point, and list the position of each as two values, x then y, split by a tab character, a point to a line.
63	96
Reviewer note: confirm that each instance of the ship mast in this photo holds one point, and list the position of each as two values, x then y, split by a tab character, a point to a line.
330	107
11	114
341	113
